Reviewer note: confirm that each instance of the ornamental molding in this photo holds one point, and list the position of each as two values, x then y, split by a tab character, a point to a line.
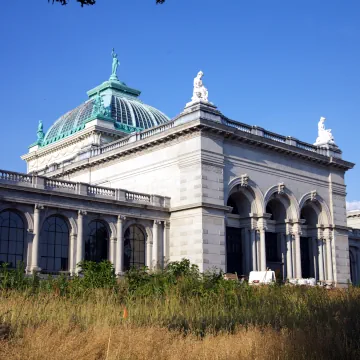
313	195
176	133
244	180
281	188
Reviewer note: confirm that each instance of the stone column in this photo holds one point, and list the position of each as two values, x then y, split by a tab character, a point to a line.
298	255
315	258
72	253
247	248
166	242
36	239
262	250
80	243
112	250
282	247
329	262
119	262
289	265
156	243
321	260
253	249
148	253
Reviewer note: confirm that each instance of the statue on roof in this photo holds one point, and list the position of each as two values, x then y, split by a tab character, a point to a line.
200	92
115	64
324	135
98	107
40	132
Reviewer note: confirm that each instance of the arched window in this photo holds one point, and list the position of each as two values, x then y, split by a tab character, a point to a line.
134	247
12	237
96	245
54	245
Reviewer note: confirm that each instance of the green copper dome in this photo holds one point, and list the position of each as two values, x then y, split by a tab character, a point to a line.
123	107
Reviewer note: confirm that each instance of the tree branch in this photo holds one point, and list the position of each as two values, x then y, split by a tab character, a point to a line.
90	2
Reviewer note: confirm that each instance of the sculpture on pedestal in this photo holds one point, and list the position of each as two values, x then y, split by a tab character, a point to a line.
200	92
324	135
115	64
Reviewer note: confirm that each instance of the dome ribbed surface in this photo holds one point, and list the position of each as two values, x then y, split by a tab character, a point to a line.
124	110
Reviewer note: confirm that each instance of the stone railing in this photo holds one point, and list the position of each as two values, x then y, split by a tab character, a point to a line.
99	190
59	184
156	130
237	125
133	196
77	188
306	146
280	138
275	137
10	176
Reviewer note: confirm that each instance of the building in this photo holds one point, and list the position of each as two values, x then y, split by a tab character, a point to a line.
117	179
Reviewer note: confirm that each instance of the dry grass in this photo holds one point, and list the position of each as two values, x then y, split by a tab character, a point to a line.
49	326
127	342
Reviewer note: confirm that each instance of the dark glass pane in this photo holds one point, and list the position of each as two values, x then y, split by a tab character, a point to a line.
96	245
134	247
55	230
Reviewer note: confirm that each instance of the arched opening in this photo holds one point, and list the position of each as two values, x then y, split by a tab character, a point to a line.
97	242
238	257
134	247
12	238
308	243
274	236
54	245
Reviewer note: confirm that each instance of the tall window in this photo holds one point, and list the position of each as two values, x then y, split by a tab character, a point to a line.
134	247
54	245
96	245
12	236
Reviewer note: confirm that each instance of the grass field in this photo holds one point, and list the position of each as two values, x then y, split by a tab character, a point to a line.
174	314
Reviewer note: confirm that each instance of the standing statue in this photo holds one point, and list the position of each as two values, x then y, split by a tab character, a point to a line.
40	132
200	92
115	64
324	135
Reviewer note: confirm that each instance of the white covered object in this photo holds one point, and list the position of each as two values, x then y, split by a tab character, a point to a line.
307	282
261	277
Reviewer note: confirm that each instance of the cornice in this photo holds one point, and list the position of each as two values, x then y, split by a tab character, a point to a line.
70	140
204	126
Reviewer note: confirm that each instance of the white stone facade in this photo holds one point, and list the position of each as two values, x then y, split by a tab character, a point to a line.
242	198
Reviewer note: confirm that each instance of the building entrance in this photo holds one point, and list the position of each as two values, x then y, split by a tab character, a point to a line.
234	253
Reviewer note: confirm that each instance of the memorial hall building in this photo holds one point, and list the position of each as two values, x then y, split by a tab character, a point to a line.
117	179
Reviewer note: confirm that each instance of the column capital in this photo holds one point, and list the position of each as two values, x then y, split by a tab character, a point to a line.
157	222
82	212
121	218
39	207
167	224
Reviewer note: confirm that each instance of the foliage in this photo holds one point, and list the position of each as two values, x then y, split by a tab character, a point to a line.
182	299
89	2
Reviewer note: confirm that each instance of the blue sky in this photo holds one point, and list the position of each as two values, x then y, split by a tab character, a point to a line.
277	64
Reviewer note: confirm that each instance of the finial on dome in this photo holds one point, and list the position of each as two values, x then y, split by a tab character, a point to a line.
115	64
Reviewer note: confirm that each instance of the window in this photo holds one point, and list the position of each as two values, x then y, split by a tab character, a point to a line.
12	236
54	245
134	247
96	245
